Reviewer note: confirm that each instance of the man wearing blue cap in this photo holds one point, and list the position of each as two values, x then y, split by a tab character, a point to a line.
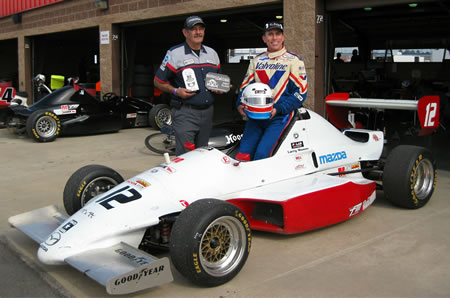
182	75
284	72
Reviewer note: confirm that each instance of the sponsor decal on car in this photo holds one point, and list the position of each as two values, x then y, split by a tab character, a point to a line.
167	169
299	166
56	236
184	203
375	138
226	160
177	159
53	239
131	115
88	213
297	145
132	257
66	109
146	272
355	166
68	226
139	183
365	204
231	138
332	157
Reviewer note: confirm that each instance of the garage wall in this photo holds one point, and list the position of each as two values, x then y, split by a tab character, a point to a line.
299	23
299	18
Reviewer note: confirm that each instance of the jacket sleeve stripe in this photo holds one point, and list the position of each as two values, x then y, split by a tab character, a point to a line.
300	84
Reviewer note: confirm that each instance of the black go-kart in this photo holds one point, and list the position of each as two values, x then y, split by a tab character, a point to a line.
71	110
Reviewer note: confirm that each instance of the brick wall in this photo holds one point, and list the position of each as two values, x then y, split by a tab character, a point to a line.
77	14
76	10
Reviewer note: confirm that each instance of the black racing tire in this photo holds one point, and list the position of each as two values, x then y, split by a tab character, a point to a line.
143	79
142	68
409	176
43	126
141	91
161	143
160	115
86	183
210	242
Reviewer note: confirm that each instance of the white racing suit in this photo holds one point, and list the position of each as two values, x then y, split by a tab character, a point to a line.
284	72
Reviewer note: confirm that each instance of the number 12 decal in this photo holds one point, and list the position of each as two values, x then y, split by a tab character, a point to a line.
430	114
119	196
428	109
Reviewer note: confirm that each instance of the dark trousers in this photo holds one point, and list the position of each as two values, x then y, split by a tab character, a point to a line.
261	136
191	125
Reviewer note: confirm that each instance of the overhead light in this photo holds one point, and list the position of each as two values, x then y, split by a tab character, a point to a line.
223	20
367	8
412	5
17	18
279	17
101	4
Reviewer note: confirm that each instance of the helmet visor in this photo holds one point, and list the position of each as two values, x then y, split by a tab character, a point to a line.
259	100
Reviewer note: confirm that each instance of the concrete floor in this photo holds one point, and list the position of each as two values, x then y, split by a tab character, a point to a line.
384	252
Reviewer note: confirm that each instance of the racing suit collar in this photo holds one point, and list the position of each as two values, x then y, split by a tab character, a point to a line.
188	50
273	55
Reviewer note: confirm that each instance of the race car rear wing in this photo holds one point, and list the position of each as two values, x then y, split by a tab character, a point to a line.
121	268
338	104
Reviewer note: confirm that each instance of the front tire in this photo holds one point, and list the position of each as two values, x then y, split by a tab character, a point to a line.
43	126
86	183
409	176
160	115
210	242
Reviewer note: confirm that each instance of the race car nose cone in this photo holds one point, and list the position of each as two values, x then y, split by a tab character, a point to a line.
49	256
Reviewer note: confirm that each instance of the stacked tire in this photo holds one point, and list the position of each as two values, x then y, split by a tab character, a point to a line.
142	85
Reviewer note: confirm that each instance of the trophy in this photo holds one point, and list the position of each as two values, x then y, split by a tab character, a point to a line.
217	82
190	80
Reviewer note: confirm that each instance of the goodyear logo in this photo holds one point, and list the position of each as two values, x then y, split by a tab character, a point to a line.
332	157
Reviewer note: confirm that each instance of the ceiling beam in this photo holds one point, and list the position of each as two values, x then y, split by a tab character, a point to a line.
335	5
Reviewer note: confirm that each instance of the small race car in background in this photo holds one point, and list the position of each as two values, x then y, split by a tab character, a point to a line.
203	205
71	110
9	97
398	118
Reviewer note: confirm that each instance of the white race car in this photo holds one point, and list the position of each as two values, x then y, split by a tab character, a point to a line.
203	205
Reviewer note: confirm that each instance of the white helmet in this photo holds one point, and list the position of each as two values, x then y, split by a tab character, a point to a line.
258	101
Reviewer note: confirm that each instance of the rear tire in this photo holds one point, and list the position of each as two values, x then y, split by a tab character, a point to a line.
43	126
86	183
409	176
160	115
161	143
210	242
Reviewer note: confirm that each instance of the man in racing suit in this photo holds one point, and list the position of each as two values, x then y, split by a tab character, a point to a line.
284	72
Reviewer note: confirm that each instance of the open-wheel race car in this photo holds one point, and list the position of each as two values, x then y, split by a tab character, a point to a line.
398	118
203	205
71	110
